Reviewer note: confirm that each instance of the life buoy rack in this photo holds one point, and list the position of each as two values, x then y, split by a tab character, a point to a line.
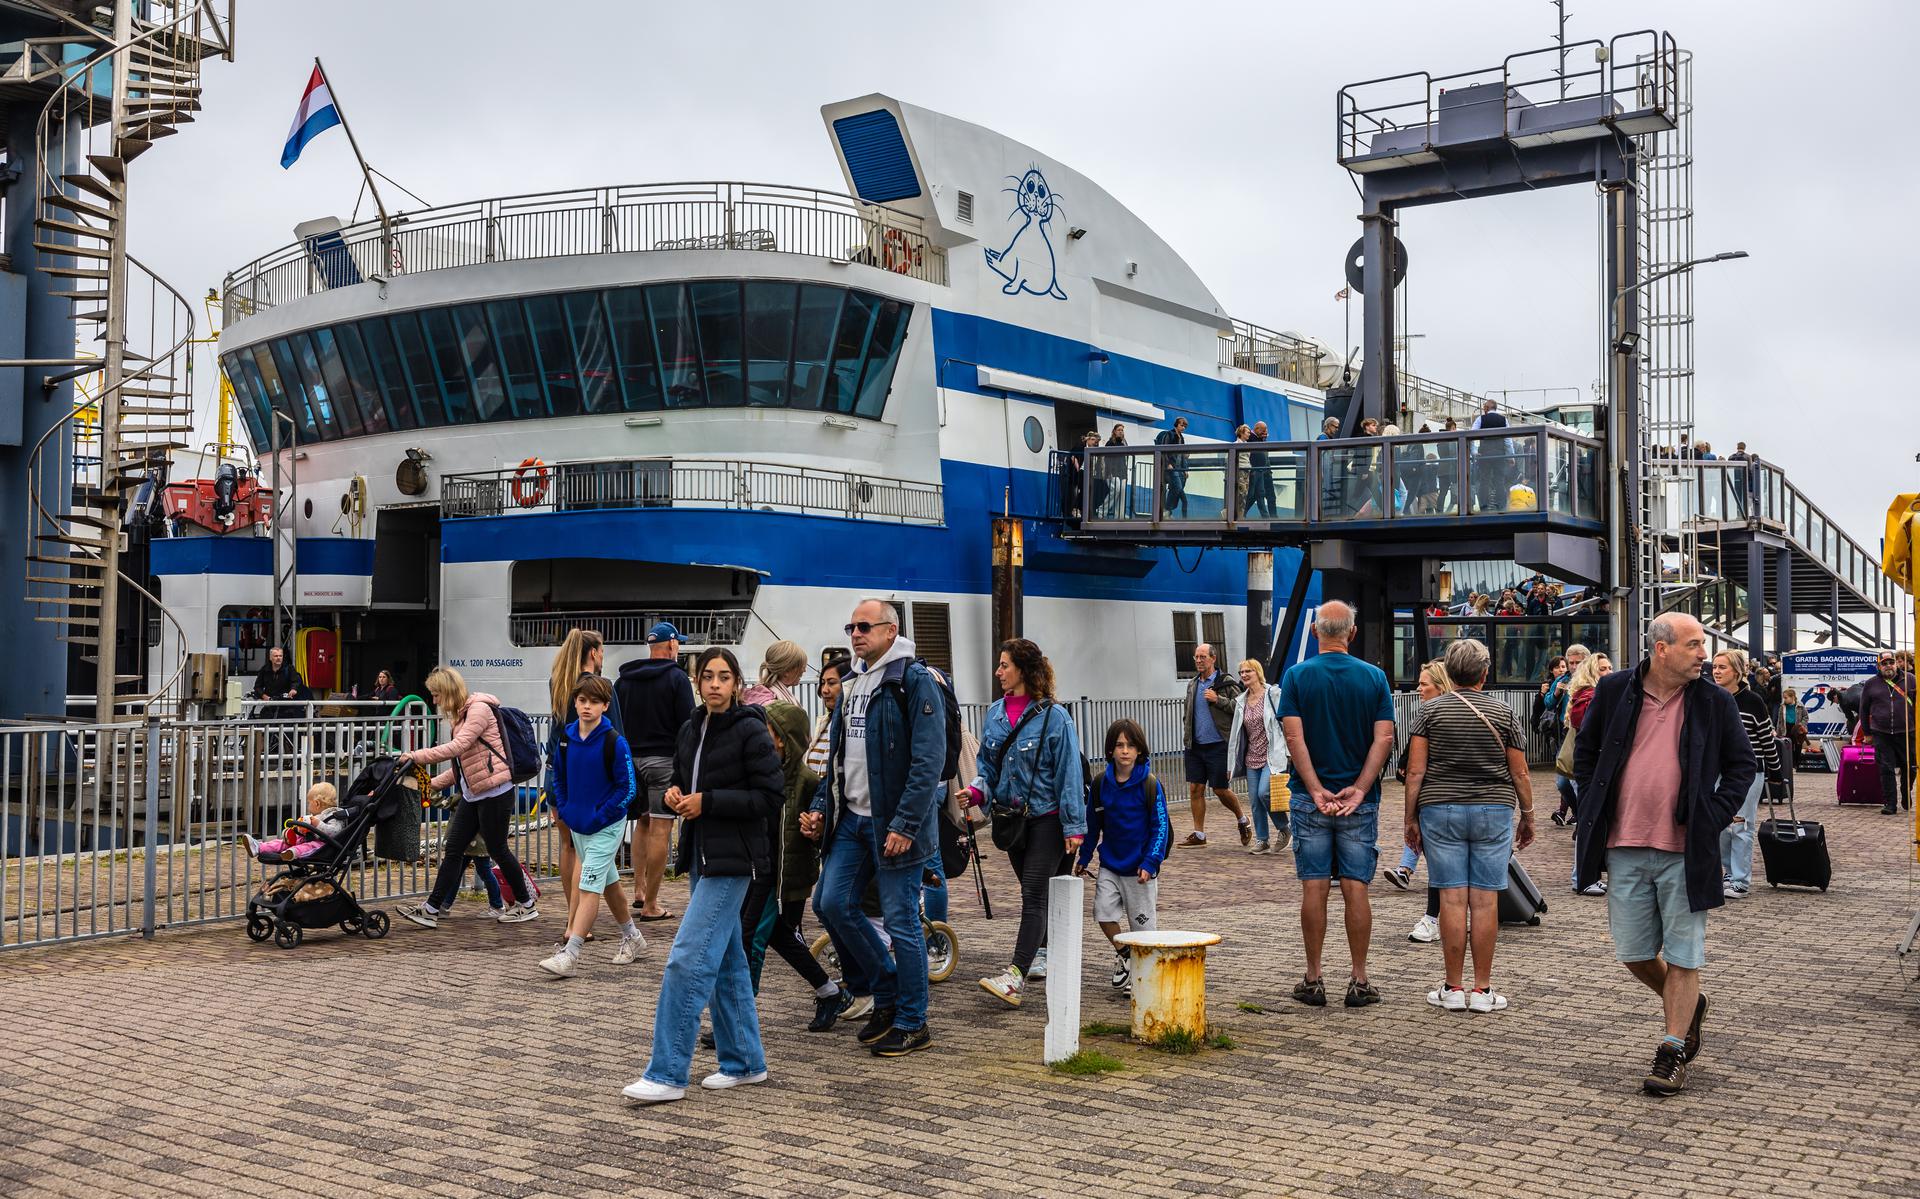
528	494
897	254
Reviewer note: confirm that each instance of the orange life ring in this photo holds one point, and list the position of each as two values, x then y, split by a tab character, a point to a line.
524	495
896	253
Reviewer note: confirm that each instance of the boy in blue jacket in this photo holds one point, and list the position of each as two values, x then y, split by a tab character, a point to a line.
592	785
1127	822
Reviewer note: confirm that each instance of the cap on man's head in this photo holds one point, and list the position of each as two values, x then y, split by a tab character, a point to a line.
661	632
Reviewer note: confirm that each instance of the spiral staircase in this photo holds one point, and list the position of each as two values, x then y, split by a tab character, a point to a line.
116	92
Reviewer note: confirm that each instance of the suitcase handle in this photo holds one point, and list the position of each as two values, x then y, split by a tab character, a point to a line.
1771	802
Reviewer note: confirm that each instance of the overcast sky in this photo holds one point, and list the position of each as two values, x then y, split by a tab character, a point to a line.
1213	122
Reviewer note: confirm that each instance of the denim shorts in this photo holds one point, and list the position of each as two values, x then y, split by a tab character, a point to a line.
1467	844
1647	910
1324	845
599	868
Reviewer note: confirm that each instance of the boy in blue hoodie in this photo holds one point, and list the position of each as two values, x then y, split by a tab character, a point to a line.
1127	822
592	785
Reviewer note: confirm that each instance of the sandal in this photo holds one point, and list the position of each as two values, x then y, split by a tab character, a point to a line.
661	916
1311	991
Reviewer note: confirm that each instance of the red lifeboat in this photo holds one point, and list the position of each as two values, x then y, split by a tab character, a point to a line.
234	500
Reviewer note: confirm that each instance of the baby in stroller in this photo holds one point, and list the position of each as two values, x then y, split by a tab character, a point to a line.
325	821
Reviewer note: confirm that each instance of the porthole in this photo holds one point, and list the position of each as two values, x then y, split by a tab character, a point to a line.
1035	435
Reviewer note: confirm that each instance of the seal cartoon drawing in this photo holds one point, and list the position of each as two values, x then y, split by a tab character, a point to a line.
1027	262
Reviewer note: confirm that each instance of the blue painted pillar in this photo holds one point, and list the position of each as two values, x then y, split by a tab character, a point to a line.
33	324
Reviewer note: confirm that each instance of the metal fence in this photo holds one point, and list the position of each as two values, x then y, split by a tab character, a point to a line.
125	829
754	217
690	483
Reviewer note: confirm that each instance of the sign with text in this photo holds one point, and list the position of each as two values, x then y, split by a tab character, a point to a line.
1819	675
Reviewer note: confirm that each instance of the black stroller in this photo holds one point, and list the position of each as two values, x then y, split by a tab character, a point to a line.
306	893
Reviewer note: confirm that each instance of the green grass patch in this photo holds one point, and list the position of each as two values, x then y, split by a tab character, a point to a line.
1087	1061
1255	1008
1219	1038
1104	1028
1180	1041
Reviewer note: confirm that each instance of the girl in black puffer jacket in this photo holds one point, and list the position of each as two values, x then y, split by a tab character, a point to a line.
727	787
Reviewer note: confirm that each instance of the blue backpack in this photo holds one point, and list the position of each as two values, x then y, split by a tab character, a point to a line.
517	746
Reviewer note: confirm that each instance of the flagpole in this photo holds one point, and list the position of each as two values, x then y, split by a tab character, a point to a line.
386	225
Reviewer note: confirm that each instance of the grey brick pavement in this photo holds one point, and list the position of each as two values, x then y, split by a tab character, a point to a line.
442	1063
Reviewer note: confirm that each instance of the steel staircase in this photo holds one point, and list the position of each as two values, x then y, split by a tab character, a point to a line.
138	82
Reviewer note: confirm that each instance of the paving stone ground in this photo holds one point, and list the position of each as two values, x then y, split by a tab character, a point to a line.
442	1063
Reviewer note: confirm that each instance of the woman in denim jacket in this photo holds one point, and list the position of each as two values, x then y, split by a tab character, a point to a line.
1030	764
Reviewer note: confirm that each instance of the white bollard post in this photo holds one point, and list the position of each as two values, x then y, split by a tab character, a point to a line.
1065	901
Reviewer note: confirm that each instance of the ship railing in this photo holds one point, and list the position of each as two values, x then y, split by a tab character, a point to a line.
628	626
1432	478
660	217
690	483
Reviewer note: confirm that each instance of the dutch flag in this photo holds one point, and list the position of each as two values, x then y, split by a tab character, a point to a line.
317	113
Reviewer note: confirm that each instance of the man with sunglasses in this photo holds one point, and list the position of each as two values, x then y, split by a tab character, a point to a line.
874	813
1886	708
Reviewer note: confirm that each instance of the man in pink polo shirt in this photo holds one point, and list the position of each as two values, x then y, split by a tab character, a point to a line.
1661	765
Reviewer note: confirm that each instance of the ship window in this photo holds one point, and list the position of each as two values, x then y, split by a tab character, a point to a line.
1186	635
633	346
516	359
716	311
673	336
1213	630
430	399
319	398
346	405
489	393
598	389
1302	424
933	636
813	342
388	374
448	367
711	342
353	353
767	331
558	373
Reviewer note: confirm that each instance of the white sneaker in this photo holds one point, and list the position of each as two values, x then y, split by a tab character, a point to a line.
1488	1000
1599	888
1426	930
1733	890
630	948
1039	967
1259	847
420	914
1452	999
492	913
1004	985
1121	972
561	965
518	913
720	1080
859	1009
647	1091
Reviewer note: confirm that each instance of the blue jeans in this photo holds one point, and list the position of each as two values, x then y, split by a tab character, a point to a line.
936	898
1328	846
899	978
1467	844
1260	799
1409	858
707	967
1736	840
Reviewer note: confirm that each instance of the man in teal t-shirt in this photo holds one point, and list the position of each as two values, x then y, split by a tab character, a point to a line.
1337	714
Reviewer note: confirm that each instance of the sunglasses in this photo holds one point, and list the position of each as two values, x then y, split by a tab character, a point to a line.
864	626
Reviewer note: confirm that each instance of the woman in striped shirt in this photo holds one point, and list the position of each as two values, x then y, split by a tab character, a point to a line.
1736	841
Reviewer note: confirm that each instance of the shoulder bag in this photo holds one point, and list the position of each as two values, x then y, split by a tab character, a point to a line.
1009	822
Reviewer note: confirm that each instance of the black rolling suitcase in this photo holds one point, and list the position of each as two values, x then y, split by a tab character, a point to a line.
1794	850
1521	902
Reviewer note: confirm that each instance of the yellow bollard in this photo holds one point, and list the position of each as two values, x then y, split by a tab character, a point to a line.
1169	981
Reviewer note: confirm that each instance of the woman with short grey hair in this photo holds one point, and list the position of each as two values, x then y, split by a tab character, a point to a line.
1466	773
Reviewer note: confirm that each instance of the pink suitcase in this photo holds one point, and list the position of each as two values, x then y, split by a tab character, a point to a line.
1859	780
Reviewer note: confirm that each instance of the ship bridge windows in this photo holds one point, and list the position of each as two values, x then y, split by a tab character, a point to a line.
710	343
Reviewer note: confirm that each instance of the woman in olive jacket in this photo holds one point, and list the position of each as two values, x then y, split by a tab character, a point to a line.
727	788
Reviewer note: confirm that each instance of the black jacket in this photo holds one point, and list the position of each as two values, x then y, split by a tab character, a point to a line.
655	698
275	684
1716	768
741	788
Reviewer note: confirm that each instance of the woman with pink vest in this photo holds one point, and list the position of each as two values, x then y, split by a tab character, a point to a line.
484	772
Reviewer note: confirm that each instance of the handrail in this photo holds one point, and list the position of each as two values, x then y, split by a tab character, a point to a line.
626	218
603	484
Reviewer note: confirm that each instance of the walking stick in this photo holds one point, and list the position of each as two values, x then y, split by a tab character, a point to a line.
979	879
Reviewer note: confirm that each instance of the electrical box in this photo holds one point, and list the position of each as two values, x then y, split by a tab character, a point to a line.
207	676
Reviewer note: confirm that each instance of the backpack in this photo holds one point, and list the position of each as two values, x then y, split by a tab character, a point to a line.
949	765
517	745
1089	773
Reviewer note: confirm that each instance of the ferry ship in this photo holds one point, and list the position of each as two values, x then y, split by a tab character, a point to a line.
732	406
